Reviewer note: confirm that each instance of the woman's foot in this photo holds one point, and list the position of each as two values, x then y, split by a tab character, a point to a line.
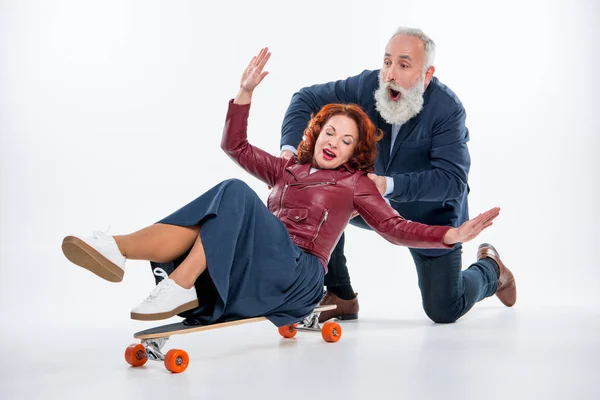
166	300
98	253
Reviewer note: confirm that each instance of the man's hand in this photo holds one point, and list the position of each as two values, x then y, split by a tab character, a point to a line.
286	154
380	182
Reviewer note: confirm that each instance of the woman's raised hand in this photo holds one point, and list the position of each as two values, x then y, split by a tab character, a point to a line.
254	74
471	228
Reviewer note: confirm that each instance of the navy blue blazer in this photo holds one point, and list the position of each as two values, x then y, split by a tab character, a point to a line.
430	159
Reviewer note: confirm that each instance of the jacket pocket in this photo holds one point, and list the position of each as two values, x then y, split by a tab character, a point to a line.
297	214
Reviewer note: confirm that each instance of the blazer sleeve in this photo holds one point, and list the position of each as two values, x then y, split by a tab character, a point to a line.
386	221
311	99
257	162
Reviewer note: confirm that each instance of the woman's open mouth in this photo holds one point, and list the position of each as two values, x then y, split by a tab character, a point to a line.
328	154
394	94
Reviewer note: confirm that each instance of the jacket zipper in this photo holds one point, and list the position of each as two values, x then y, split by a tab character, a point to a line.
314	184
281	199
321	224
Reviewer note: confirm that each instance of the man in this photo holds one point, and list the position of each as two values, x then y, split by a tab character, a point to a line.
421	169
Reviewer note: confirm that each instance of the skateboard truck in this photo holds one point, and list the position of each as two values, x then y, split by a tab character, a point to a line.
153	347
311	322
176	360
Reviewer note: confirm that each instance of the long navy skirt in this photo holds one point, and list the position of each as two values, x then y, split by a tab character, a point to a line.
253	267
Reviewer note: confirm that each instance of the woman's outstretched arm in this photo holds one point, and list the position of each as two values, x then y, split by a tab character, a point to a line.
389	224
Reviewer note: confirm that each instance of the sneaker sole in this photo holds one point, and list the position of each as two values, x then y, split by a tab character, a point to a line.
165	315
85	256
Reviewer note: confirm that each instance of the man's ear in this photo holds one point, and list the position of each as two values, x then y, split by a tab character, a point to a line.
429	74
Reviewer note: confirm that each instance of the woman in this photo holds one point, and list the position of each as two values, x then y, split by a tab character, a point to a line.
230	257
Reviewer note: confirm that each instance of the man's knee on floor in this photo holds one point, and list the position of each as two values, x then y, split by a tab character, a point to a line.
441	314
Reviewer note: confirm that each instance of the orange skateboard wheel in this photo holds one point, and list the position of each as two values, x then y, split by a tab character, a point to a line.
176	360
135	355
331	331
288	331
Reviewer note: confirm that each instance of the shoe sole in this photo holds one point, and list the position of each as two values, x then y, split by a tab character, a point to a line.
85	256
343	317
166	314
347	317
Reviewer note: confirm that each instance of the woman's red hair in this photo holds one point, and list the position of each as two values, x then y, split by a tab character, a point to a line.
363	157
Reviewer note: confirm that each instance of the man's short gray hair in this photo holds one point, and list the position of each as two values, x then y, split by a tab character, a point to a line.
429	44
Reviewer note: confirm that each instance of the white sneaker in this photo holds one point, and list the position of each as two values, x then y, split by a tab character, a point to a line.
98	253
166	300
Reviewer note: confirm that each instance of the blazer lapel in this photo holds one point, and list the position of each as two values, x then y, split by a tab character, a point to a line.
385	143
404	132
407	128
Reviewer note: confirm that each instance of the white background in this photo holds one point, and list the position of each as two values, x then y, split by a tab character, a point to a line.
111	114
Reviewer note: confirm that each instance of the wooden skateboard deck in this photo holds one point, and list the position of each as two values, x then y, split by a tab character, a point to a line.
177	360
179	328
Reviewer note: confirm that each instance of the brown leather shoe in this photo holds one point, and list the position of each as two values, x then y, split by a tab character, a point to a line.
346	309
507	288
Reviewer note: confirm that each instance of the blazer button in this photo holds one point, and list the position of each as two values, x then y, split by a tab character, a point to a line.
297	217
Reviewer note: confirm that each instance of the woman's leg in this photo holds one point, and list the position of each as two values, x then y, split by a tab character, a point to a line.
163	243
158	242
192	266
106	255
176	293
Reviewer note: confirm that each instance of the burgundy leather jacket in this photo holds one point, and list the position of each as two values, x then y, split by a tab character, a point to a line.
315	208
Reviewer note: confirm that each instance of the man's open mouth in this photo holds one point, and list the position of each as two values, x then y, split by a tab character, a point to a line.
394	94
328	154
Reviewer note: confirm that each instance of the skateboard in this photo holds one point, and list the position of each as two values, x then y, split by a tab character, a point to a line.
177	360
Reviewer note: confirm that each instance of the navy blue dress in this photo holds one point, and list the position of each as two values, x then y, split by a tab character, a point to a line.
253	267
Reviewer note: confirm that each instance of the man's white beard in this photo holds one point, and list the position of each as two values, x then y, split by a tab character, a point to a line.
408	105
